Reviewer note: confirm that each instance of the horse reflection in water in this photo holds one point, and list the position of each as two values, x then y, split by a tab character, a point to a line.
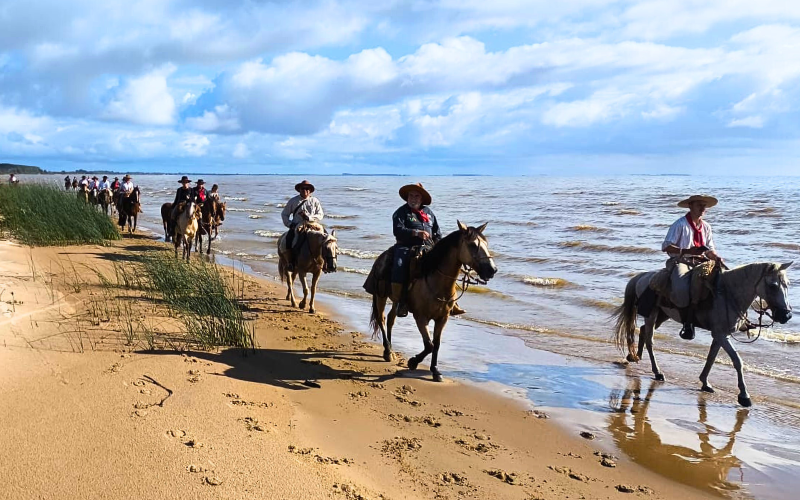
706	468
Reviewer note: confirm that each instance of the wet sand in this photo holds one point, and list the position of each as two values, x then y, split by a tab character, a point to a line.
314	412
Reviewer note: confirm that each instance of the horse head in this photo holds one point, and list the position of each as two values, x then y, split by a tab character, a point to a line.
221	207
474	251
330	250
774	290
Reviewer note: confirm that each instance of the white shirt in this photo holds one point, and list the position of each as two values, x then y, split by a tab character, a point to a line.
311	208
103	185
84	182
126	187
681	235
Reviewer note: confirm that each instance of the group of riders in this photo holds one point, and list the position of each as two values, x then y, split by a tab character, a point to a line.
197	194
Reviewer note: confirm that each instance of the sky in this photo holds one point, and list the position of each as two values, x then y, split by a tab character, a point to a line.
422	87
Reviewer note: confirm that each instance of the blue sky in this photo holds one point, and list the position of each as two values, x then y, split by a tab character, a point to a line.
415	86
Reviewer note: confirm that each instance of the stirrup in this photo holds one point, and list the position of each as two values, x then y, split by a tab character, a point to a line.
402	310
687	332
456	310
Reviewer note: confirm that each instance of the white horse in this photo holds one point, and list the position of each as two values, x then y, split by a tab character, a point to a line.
185	229
735	292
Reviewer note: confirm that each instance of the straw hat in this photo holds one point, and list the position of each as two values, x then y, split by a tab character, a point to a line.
710	201
304	184
184	179
426	196
127	177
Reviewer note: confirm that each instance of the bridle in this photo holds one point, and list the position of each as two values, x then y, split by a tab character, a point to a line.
742	316
468	277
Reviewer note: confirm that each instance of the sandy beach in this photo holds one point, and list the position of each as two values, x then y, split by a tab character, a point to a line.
314	412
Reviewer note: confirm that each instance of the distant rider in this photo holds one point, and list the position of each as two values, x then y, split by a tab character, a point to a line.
689	241
183	194
299	209
199	193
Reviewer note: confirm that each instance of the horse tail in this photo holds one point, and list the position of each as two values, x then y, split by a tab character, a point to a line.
374	318
282	272
625	328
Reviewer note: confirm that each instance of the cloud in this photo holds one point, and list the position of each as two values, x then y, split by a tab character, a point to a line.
750	121
241	151
144	100
196	145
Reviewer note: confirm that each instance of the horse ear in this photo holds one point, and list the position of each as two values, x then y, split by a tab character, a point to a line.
461	226
333	234
785	266
482	227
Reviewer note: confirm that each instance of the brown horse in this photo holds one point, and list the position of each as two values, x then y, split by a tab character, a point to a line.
166	213
129	210
83	194
316	255
104	198
185	229
212	213
433	294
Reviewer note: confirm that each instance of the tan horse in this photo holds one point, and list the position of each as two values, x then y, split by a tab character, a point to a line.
185	229
316	255
212	214
736	291
433	294
83	194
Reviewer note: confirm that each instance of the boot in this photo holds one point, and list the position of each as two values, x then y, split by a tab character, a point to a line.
398	290
456	310
687	333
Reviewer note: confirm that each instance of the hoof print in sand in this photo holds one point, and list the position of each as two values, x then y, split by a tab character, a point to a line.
587	435
212	481
359	394
319	458
480	447
506	477
626	488
607	462
453	478
194	376
538	414
350	492
570	473
253	424
452	413
399	445
176	433
195	468
193	443
428	420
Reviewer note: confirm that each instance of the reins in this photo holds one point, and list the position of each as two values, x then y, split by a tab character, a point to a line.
742	316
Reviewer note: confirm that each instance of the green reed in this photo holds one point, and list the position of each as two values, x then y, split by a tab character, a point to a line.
199	293
42	215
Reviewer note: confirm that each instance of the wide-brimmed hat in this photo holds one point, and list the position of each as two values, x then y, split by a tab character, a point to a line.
127	177
95	177
105	177
304	184
710	201
426	196
200	181
184	179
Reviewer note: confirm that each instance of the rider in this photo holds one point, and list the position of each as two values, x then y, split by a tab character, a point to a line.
199	193
301	208
12	179
104	184
84	182
93	183
125	190
689	242
414	225
115	184
67	183
214	193
183	194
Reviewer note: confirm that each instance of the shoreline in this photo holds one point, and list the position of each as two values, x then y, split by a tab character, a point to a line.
367	436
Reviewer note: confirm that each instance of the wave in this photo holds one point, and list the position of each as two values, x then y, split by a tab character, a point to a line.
355	189
781	337
483	290
546	282
254	216
342	228
359	254
606	248
587	227
335	216
628	211
234	198
354	270
525	223
267	234
610	203
787	246
278	205
599	304
253	210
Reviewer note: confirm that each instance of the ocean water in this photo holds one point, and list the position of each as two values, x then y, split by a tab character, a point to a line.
565	247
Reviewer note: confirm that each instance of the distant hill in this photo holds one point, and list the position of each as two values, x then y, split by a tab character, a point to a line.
7	168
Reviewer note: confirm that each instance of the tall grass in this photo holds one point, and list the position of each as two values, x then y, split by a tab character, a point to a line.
207	303
43	215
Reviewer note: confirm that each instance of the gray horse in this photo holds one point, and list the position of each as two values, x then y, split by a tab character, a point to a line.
317	254
735	292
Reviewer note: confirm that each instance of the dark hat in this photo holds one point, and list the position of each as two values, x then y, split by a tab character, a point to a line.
127	177
116	178
200	181
105	177
304	184
426	196
95	177
184	179
710	201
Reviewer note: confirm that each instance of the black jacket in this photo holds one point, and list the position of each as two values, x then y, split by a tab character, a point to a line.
405	222
183	194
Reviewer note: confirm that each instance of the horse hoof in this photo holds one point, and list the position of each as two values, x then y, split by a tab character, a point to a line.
632	359
708	389
745	401
387	356
437	377
660	377
412	364
312	310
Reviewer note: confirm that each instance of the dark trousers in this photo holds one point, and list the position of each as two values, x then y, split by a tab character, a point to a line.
400	264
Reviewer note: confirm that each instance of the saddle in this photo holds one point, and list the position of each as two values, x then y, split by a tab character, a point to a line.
379	280
703	278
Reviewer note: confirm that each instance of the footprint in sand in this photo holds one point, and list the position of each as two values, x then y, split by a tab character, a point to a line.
176	433
570	473
506	477
212	480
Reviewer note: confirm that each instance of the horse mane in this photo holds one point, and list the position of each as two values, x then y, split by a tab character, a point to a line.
431	260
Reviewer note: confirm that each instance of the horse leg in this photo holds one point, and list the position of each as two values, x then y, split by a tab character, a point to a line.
712	355
188	248
438	327
135	219
422	325
208	243
389	326
304	282
744	397
290	285
314	281
647	339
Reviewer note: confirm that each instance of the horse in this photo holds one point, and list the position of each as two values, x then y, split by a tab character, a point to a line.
104	199
83	194
129	209
432	295
67	184
735	292
166	213
212	213
93	197
220	218
317	255
74	184
185	229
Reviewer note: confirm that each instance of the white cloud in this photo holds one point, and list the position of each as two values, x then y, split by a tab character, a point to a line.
241	150
145	100
750	121
195	145
221	119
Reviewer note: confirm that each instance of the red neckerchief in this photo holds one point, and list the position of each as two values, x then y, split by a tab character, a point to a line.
697	233
422	215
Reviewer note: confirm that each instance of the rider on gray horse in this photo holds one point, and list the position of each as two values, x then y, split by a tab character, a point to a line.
414	225
689	242
302	208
